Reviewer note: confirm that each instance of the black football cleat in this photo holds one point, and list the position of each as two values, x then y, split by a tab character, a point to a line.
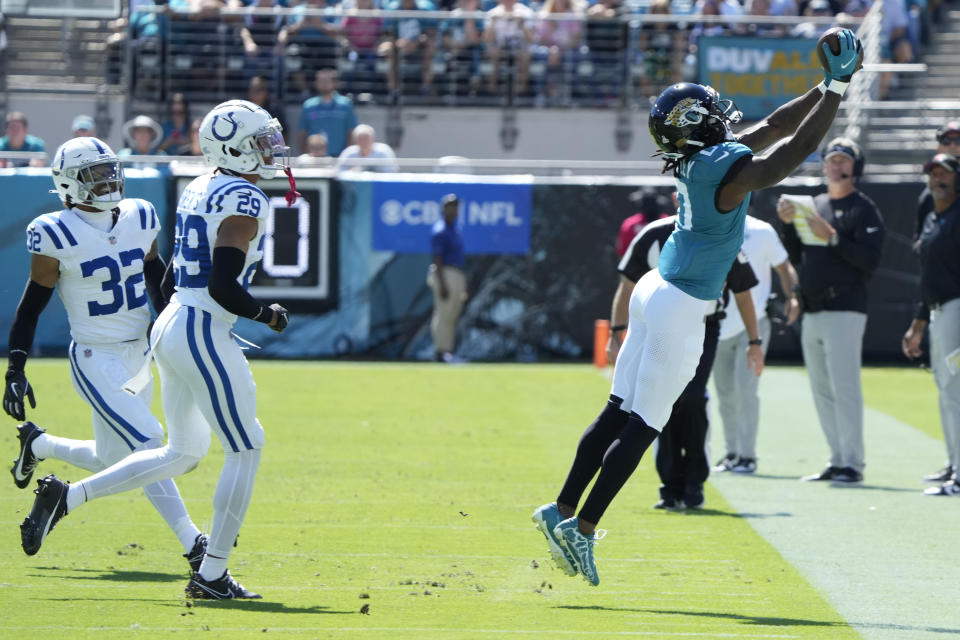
48	507
223	588
195	555
26	462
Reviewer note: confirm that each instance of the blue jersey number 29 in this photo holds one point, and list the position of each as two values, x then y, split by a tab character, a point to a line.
192	252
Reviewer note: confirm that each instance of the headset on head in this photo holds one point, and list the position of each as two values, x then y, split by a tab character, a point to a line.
847	147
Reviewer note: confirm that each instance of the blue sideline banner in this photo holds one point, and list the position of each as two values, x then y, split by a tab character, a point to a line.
759	74
494	217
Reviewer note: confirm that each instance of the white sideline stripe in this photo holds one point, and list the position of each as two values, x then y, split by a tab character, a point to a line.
446	631
885	558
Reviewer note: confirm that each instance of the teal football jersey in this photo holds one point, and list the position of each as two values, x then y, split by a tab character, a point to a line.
703	245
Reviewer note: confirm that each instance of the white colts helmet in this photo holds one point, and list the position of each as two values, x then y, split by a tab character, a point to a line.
86	171
240	136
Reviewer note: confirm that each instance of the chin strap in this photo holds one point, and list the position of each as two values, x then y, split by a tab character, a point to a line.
292	194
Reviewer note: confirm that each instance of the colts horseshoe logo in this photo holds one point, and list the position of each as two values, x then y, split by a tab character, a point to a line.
233	126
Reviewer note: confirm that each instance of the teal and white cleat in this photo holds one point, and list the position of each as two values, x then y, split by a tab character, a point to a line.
580	547
547	518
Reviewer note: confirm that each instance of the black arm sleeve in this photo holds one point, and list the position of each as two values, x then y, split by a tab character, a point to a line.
34	300
226	291
169	283
153	272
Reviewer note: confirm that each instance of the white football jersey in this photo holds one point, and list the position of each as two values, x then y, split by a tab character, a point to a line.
764	251
206	202
101	272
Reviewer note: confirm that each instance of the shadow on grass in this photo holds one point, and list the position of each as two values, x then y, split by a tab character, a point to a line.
733	514
116	575
746	619
771	621
261	606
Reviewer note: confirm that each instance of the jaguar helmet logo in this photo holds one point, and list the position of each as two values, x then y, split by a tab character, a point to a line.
685	112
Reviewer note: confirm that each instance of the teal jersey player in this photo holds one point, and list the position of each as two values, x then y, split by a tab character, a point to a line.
715	172
701	249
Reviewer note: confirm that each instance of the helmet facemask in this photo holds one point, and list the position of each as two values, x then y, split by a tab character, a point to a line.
270	146
98	185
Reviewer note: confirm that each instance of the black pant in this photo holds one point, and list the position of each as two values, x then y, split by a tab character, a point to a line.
681	455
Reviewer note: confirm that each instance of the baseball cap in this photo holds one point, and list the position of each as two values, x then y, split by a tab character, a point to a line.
838	149
83	121
945	160
820	5
951	129
450	197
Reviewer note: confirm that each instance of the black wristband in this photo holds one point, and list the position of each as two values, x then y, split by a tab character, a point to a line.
755	341
265	315
619	327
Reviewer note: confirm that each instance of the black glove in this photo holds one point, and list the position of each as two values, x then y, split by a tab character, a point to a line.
16	388
283	318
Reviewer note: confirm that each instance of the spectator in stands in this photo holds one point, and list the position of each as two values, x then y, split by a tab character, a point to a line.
143	136
411	36
260	36
356	156
509	34
176	128
84	126
895	41
662	46
462	42
316	154
258	92
17	139
192	148
559	41
361	36
327	112
312	38
763	8
607	37
814	8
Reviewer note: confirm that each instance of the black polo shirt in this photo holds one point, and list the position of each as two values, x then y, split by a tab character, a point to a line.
835	278
940	256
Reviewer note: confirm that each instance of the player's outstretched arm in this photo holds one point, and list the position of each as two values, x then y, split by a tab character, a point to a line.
229	256
781	123
44	273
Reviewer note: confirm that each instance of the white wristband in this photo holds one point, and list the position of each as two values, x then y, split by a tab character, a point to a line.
822	87
838	87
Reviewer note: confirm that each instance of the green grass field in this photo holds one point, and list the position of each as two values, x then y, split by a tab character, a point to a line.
408	488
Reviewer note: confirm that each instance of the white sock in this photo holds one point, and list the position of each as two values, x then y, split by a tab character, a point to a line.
79	453
165	498
137	470
76	496
230	502
212	568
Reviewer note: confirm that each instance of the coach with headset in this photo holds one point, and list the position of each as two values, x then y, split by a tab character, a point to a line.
939	243
834	271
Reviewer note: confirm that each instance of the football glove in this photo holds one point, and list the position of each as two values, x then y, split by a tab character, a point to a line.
14	392
283	318
842	66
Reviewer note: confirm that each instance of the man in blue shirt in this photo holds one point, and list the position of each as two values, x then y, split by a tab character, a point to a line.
446	279
715	172
329	113
17	139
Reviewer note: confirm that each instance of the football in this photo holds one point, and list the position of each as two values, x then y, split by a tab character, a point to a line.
832	37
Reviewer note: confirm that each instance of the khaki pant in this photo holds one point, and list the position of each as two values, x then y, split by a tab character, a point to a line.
443	324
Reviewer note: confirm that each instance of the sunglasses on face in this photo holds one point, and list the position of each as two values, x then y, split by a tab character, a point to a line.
950	140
